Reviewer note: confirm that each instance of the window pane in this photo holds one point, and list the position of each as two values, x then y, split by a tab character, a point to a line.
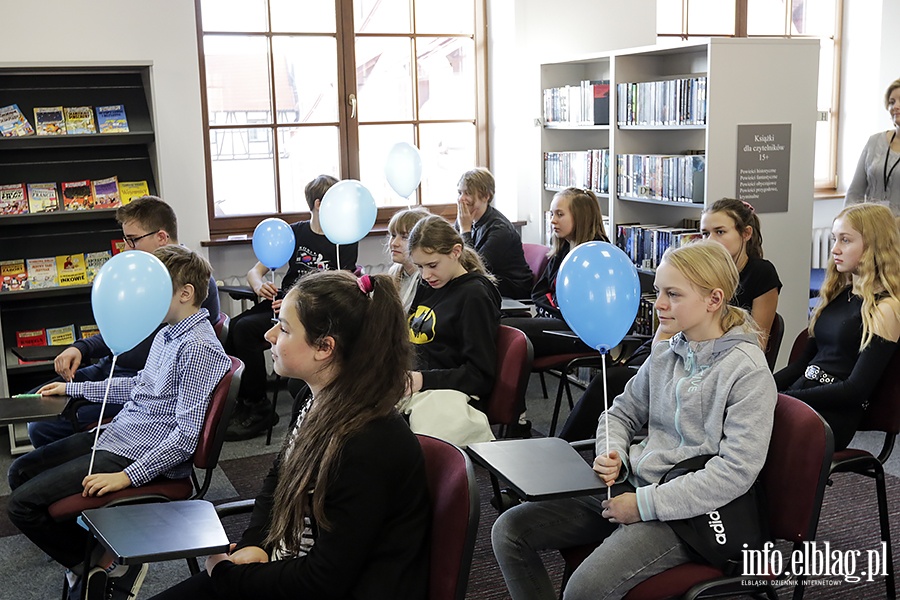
375	141
440	16
822	169
302	16
446	71
448	151
304	154
381	16
766	17
710	17
383	80
826	74
668	16
233	15
237	79
243	171
813	17
306	90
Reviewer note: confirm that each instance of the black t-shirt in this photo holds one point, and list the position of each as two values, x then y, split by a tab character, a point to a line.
757	277
500	246
313	252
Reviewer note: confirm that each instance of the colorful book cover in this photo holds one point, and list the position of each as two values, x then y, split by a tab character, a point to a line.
42	197
79	119
70	270
111	119
31	337
13	199
13	276
42	273
118	246
49	120
61	336
87	331
94	261
129	190
106	192
13	123
77	195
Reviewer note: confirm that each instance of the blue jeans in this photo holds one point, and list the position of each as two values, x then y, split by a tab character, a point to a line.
42	433
47	474
627	555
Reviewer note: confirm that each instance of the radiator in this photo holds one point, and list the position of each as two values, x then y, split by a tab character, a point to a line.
821	248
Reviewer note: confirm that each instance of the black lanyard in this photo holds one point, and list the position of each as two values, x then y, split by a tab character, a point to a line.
887	174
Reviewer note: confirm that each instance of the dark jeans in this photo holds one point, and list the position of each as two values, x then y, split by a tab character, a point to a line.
547	344
42	433
45	475
246	342
198	587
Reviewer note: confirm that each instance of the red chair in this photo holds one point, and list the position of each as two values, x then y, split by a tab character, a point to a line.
221	327
794	477
773	344
536	257
507	399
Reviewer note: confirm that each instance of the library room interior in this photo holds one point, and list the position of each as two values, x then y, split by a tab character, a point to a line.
596	269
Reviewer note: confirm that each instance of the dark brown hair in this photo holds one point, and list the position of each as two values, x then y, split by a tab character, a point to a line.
315	189
152	213
743	216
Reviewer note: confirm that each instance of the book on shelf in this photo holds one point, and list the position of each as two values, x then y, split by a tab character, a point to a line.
31	337
669	102
70	269
61	336
106	192
94	261
129	190
77	195
90	330
13	123
49	120
42	273
13	199
118	246
667	178
42	197
599	109
111	119
79	120
13	275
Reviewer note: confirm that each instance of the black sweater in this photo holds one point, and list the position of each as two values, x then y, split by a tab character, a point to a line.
500	246
454	330
377	547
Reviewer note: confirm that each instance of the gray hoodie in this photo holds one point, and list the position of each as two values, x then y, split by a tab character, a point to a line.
711	397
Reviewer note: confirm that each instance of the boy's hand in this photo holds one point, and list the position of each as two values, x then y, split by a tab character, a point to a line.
53	389
622	509
100	484
608	467
67	362
248	555
266	290
276	306
463	217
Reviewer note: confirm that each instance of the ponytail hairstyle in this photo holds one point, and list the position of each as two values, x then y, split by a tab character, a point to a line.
366	386
708	266
587	218
435	235
744	216
879	265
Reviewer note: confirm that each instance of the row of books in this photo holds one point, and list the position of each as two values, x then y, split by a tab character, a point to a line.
54	271
679	101
668	178
645	322
584	104
581	168
59	120
646	244
21	198
54	336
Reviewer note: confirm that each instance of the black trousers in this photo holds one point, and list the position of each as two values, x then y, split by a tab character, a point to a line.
246	342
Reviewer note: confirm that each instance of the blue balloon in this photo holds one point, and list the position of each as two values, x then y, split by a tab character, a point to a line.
130	298
273	243
403	168
598	291
347	212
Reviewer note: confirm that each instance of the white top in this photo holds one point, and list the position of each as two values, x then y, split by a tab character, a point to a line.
406	284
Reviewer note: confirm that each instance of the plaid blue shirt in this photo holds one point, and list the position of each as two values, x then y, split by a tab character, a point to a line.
165	403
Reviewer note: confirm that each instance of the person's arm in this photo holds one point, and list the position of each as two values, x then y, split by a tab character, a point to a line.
495	244
256	279
543	295
92	347
856	192
792	372
763	312
349	256
119	389
212	300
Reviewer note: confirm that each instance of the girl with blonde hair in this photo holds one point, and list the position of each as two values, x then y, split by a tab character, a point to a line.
404	272
854	329
707	391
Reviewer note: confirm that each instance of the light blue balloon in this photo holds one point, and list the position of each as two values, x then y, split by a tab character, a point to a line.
130	298
598	291
403	168
273	243
347	212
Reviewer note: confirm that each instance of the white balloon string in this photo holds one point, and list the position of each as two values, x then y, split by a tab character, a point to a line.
274	312
102	409
337	252
606	416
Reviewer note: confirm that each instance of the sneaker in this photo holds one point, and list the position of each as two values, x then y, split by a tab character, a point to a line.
519	430
251	426
126	587
506	500
95	582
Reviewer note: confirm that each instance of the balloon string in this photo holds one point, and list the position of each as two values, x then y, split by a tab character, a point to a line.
102	409
606	415
337	252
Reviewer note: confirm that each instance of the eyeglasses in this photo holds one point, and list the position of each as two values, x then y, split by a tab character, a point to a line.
132	241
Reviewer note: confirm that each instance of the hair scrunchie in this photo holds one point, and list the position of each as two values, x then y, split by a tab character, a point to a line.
749	206
365	284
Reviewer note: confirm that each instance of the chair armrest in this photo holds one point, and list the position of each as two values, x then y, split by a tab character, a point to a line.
237	507
583	444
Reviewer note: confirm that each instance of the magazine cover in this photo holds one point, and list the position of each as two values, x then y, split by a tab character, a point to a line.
13	276
111	119
77	195
13	123
31	337
79	119
61	336
87	331
106	192
42	273
42	197
129	190
49	120
70	270
118	246
94	261
13	200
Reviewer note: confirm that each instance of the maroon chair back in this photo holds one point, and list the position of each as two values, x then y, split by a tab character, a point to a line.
773	345
536	257
221	405
799	345
455	511
221	327
514	357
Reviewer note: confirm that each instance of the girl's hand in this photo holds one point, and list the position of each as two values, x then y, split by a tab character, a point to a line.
622	509
213	560
414	384
248	555
608	467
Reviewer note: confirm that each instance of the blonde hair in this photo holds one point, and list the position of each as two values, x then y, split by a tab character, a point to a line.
887	95
879	265
708	266
477	182
404	220
186	267
587	218
434	234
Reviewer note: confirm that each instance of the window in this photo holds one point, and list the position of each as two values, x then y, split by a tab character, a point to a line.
818	19
296	88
